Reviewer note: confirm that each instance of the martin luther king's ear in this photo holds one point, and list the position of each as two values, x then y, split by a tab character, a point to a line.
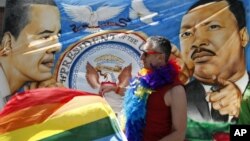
6	44
244	36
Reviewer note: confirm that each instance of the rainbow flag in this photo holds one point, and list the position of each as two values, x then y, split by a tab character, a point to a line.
58	114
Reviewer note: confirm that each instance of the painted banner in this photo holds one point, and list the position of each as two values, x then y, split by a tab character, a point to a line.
84	44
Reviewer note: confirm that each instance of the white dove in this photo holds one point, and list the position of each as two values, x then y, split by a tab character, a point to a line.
139	10
85	14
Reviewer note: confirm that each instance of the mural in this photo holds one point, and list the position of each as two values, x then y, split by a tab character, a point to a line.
85	44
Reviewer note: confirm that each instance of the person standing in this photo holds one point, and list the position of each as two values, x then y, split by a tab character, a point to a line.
155	101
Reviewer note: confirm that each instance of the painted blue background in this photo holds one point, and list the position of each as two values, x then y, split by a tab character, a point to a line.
166	23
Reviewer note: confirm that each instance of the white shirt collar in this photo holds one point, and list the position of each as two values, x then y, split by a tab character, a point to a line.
241	83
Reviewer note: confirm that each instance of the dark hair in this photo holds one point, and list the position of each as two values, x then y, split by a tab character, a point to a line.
235	6
162	43
17	14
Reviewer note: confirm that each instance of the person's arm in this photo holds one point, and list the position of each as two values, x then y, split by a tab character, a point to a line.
176	98
108	88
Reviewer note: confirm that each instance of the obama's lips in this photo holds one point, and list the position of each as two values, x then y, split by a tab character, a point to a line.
48	62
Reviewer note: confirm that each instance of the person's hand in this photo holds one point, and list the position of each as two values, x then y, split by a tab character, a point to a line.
107	88
43	84
227	99
185	73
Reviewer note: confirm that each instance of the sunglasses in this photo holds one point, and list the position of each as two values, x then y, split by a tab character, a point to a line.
146	53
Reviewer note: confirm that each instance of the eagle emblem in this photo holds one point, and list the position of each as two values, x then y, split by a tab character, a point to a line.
93	74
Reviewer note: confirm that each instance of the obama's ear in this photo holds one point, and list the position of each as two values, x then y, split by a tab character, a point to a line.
6	44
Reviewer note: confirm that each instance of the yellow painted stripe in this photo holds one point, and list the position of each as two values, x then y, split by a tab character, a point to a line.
69	116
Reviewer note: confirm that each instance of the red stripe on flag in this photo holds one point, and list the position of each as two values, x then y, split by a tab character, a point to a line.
40	97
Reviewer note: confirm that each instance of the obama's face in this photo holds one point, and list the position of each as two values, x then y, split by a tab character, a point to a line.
34	48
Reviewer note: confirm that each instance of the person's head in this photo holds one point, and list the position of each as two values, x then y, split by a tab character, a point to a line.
155	52
30	38
212	37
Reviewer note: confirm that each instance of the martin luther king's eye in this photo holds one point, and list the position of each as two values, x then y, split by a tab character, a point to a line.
186	34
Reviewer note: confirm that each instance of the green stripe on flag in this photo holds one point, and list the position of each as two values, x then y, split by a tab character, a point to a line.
91	131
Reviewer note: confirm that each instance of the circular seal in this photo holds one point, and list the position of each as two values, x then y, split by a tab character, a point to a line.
105	58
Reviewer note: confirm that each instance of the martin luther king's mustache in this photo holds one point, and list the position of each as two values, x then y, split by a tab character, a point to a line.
199	52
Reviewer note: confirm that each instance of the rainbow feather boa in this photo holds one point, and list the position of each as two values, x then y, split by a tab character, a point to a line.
137	94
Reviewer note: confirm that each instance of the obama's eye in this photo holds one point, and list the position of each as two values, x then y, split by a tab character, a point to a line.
46	37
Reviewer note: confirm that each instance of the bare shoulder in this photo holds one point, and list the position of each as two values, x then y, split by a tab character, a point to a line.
178	89
175	93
